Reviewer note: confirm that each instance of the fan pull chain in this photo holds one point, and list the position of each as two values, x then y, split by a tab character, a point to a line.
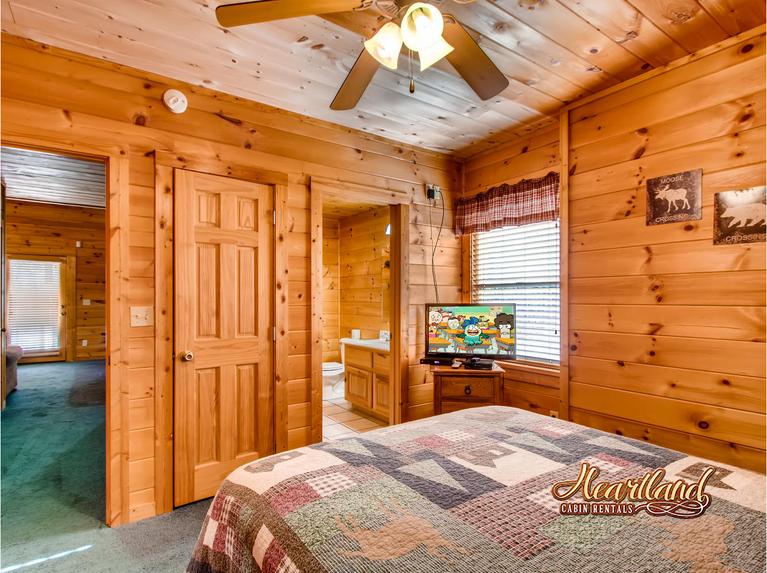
410	70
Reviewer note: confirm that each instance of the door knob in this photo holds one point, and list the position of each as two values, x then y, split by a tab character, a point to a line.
187	356
467	390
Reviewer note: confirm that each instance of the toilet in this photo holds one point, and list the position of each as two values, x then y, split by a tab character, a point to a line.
332	380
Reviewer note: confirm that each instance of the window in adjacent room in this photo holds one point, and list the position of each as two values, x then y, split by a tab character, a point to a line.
520	264
35	306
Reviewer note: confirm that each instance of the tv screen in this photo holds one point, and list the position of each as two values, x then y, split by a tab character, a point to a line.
484	330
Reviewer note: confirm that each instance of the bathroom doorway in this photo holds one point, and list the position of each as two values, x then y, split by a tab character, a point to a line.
356	317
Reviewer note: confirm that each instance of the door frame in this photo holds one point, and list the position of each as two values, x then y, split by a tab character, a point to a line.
117	318
165	164
67	350
399	209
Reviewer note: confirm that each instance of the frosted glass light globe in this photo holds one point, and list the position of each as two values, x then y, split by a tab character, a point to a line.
422	26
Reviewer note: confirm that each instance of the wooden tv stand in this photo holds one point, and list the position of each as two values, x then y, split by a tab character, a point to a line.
458	388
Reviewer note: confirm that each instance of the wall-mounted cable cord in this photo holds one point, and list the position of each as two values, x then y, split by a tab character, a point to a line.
434	245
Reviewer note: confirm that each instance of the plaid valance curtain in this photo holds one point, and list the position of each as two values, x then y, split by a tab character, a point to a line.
529	201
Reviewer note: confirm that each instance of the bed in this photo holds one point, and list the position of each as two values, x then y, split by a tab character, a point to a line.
470	491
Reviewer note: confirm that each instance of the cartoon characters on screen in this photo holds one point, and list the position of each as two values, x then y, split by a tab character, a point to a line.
472	332
435	320
505	324
491	334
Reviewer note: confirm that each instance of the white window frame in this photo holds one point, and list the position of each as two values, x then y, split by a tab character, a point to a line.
65	298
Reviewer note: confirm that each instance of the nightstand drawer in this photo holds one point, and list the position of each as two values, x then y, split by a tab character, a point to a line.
467	387
455	406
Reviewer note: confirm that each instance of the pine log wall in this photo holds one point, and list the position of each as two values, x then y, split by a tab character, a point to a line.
331	291
59	99
427	238
47	229
667	329
365	300
530	387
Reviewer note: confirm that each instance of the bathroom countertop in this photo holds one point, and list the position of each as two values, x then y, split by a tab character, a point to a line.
372	343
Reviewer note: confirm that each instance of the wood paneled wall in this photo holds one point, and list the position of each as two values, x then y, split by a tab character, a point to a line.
526	158
431	232
365	300
57	99
530	387
331	291
44	229
667	330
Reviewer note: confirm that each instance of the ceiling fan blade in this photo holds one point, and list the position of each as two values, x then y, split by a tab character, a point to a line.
356	82
472	62
243	13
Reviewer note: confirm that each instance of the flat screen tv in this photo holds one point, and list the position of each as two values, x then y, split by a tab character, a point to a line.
468	330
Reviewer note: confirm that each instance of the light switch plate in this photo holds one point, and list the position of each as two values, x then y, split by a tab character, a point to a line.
85	343
141	316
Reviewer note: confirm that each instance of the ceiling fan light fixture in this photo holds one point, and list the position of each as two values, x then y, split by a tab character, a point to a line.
386	45
422	26
430	55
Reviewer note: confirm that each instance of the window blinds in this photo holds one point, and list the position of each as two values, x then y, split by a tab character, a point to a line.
521	265
34	305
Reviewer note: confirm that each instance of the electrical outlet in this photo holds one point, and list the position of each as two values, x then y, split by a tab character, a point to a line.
78	244
432	191
85	343
86	302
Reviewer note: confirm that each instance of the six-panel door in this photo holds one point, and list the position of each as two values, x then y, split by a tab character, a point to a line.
223	384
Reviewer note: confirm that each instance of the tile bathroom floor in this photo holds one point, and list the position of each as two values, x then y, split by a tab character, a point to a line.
340	421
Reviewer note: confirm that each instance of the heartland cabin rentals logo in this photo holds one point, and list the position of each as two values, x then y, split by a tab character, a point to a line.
630	496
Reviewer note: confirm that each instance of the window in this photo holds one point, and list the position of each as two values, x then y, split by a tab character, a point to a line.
35	305
521	265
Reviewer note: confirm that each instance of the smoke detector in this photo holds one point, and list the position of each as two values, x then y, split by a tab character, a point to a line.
175	101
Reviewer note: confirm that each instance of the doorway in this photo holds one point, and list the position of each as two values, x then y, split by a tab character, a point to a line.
357	316
224	341
54	304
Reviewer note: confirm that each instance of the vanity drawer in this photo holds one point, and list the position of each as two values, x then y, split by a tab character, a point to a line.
358	357
381	362
466	387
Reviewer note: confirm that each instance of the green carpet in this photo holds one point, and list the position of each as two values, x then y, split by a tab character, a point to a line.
52	490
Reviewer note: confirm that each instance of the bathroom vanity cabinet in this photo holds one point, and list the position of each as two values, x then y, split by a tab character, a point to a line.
367	380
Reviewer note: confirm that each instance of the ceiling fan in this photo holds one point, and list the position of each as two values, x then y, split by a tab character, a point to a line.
422	29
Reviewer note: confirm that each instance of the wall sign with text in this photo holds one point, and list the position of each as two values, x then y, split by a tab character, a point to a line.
739	216
674	198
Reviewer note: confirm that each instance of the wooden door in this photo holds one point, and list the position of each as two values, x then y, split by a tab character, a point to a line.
223	347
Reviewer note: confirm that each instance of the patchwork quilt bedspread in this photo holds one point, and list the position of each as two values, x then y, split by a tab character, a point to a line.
471	491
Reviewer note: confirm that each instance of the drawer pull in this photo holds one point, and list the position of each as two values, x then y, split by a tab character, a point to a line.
467	390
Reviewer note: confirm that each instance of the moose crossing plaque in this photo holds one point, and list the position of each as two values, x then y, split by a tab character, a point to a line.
739	216
674	198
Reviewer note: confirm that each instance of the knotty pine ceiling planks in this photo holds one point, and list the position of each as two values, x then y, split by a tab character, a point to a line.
553	51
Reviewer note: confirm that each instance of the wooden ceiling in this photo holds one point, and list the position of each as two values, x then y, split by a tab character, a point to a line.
49	178
553	51
337	207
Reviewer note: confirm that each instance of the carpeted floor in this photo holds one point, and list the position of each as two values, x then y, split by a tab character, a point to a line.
52	437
